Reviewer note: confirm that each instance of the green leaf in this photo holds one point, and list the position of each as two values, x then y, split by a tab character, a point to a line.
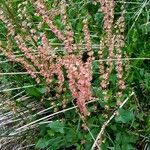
124	116
56	143
50	133
42	90
71	135
33	91
57	126
92	9
36	91
97	92
42	143
148	122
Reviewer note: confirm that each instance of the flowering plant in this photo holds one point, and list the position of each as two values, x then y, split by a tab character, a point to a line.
74	67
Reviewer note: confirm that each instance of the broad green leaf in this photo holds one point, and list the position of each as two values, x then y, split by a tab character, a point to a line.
57	126
33	91
50	133
42	143
124	116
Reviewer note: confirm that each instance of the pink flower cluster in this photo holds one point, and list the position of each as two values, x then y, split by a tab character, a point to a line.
80	76
107	42
88	41
107	8
119	43
111	41
68	36
41	11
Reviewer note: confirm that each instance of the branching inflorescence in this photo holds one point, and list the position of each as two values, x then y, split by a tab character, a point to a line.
48	63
